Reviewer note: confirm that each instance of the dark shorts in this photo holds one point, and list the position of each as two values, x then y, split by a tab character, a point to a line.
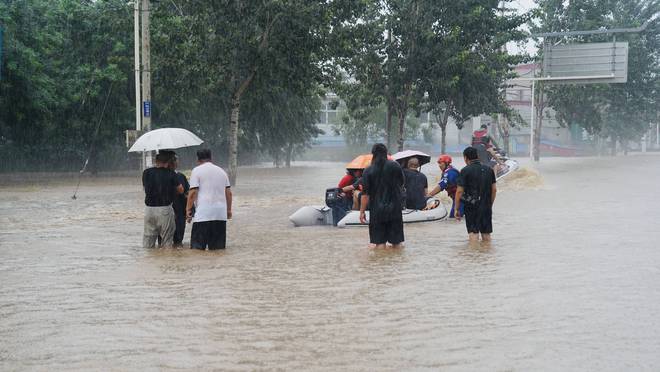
208	234
383	232
479	220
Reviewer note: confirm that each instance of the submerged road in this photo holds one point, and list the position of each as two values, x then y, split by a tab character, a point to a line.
571	280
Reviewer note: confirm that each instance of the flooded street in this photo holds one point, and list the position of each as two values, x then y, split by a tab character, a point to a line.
571	280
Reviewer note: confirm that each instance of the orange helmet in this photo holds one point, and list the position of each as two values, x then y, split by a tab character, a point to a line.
444	159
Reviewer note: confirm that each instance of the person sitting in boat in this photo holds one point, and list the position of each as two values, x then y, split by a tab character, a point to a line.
416	185
487	149
350	186
481	136
448	182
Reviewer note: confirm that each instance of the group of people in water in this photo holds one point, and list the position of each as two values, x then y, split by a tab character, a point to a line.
171	201
387	187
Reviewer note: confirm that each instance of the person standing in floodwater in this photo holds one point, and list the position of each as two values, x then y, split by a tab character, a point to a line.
210	194
160	187
179	203
476	192
382	191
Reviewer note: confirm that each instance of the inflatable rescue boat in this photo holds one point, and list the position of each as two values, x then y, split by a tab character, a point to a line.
509	167
322	215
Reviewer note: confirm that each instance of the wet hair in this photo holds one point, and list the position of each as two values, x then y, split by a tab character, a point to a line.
204	154
470	153
379	152
164	156
484	126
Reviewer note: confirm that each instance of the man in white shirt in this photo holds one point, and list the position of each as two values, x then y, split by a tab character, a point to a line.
210	194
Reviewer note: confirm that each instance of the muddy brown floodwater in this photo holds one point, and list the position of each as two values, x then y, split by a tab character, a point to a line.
570	282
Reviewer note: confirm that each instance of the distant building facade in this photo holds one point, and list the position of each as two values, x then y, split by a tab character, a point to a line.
518	96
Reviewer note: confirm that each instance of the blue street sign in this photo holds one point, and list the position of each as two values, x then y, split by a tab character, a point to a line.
147	109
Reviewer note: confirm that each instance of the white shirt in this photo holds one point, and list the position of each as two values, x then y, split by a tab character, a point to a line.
211	181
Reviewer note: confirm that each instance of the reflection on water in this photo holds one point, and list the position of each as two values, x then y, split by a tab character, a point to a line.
570	281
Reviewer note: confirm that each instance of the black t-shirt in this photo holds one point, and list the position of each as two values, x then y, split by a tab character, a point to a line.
476	180
384	187
180	201
416	182
159	186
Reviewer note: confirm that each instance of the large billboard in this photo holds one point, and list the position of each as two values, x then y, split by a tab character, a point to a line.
587	63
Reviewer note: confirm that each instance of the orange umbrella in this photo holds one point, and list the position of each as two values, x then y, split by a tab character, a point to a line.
362	161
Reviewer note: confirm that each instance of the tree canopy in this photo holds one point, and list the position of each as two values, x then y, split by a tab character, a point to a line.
250	75
620	111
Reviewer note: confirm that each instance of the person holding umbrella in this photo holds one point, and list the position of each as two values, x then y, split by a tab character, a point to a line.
161	183
160	188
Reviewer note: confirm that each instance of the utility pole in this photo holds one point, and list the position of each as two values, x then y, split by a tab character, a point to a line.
531	123
146	73
138	97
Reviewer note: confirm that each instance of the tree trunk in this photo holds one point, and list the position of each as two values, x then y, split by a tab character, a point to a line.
442	123
276	158
538	125
402	126
613	147
504	132
388	126
233	138
93	161
289	155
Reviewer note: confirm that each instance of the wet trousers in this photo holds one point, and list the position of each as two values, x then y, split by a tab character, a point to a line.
180	221
158	221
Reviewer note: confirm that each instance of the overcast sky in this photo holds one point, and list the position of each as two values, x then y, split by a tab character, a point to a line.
522	6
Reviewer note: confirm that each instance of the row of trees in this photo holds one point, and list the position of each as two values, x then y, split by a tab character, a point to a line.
444	57
242	74
249	75
65	60
618	112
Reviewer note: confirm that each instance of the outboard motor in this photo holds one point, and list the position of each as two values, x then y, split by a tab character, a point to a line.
338	204
332	196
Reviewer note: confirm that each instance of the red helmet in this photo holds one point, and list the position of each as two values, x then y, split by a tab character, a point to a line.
444	159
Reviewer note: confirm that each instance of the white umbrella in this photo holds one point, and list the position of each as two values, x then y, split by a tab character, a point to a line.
423	158
165	139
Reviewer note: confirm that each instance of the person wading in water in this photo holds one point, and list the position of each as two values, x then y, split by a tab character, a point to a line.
476	192
383	186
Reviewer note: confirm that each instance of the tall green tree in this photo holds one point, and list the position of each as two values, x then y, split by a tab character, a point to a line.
469	64
386	65
620	112
241	48
63	60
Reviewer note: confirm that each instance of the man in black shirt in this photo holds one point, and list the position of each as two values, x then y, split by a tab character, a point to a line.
476	191
179	203
383	185
160	188
416	185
